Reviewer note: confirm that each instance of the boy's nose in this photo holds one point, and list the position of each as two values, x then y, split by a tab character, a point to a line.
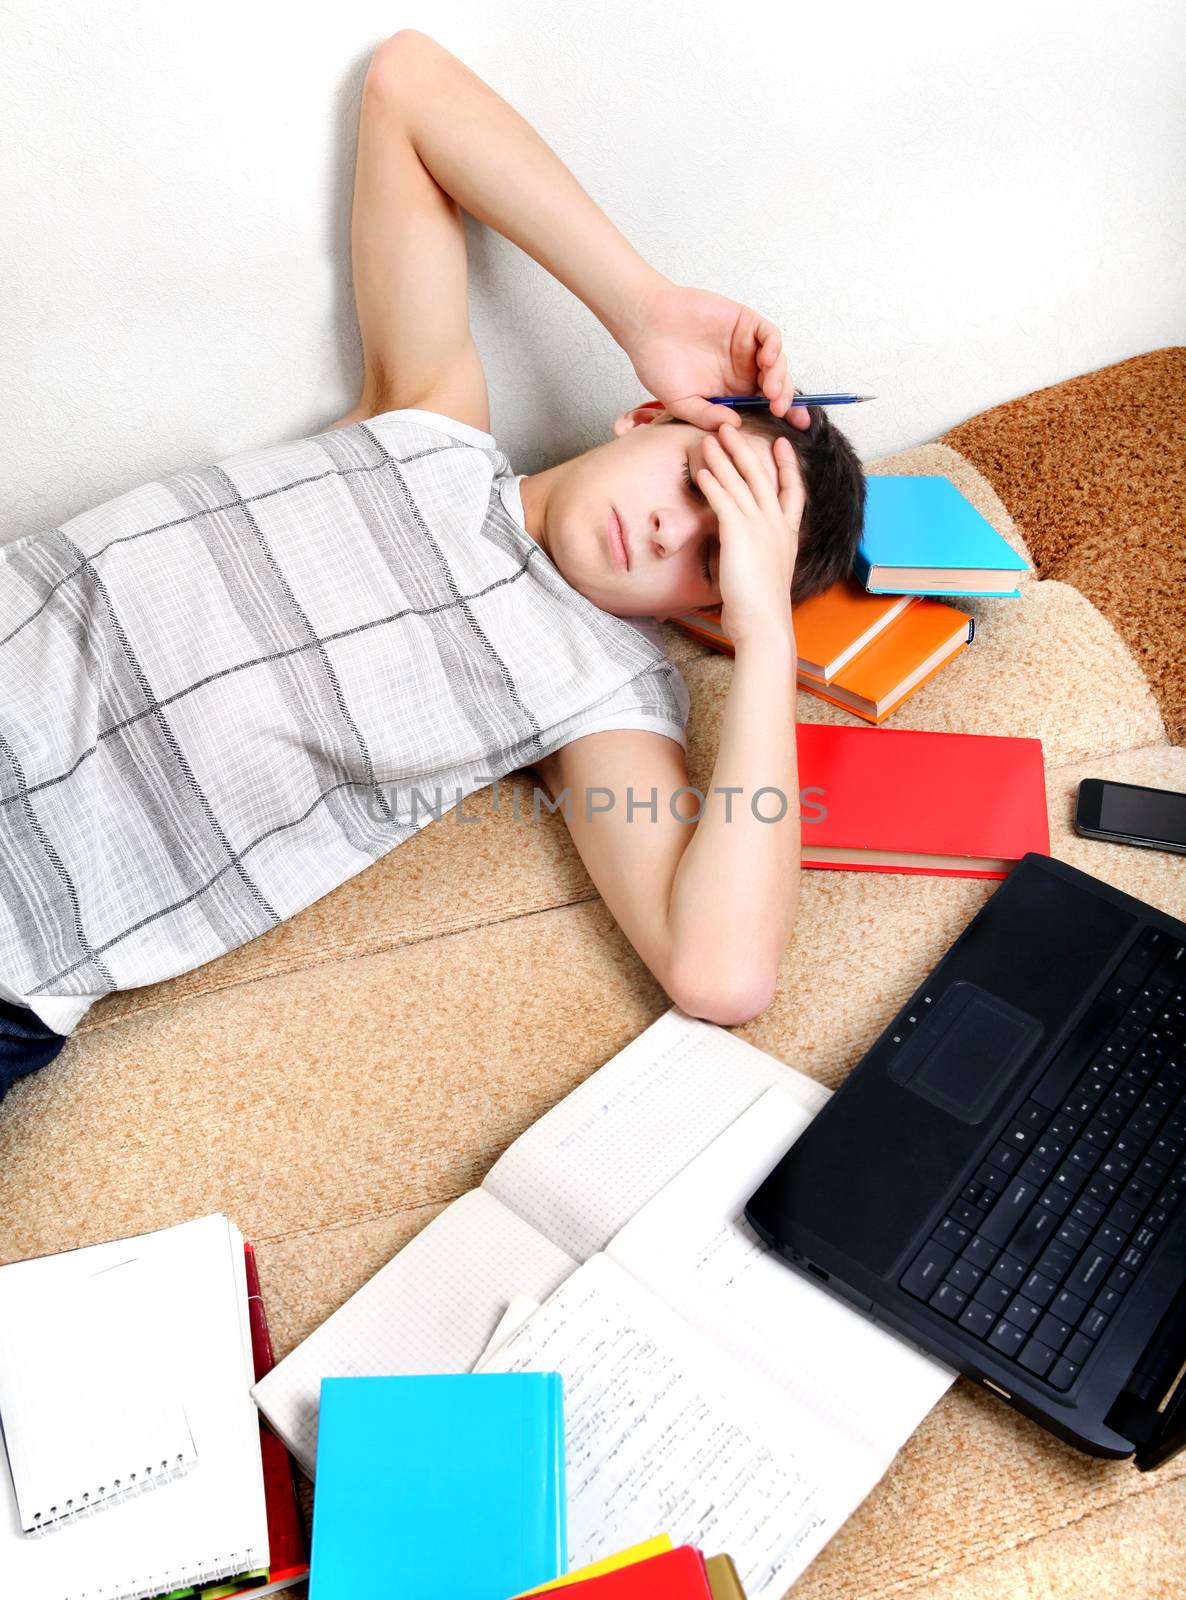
671	530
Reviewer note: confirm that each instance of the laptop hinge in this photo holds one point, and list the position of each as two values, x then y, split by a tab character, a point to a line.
1151	1410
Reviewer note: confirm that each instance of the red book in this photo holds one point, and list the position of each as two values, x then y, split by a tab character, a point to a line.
286	1539
957	805
677	1574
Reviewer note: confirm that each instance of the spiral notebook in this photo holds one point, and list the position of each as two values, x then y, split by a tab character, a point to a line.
157	1324
83	1435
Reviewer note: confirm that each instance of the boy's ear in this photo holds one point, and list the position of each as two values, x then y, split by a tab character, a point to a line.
639	416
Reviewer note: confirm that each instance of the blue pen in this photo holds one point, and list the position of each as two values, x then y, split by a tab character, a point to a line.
748	401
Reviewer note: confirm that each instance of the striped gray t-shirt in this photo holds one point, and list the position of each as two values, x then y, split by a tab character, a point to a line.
226	692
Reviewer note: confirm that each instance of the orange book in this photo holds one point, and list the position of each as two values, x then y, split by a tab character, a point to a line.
898	662
833	627
830	628
865	653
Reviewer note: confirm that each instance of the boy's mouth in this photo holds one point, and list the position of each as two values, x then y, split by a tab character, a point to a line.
617	540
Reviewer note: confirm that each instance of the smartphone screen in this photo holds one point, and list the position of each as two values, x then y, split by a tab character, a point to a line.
1142	813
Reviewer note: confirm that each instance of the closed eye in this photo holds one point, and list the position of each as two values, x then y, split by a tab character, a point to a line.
699	495
696	492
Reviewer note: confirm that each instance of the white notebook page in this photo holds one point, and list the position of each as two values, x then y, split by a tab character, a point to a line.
209	1522
659	1433
89	1395
430	1309
586	1167
850	1393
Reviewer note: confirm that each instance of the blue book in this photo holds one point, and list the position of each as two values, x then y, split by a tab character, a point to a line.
444	1488
922	537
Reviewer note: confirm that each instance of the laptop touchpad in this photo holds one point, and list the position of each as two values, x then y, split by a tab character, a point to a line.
966	1051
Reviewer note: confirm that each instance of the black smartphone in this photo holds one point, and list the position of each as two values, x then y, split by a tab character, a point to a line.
1127	813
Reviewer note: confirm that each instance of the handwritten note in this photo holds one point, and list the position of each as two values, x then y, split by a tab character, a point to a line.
659	1434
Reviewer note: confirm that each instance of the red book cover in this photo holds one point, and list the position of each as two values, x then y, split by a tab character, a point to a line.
677	1574
957	805
286	1538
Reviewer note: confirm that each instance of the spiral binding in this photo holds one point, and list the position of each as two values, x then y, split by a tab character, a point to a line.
136	1485
168	1578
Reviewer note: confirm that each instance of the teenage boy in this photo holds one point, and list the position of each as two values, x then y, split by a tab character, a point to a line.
227	692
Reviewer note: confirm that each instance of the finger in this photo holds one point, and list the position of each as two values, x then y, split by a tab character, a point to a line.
791	495
799	416
696	409
717	496
776	387
769	338
716	456
753	470
771	365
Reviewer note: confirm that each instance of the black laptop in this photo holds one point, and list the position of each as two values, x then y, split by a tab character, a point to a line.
1000	1180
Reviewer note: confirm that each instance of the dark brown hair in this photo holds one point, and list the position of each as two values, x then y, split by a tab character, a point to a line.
834	481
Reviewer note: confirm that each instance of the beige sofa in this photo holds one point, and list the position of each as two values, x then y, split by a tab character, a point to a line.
334	1084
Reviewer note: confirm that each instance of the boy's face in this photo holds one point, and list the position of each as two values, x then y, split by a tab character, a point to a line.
635	480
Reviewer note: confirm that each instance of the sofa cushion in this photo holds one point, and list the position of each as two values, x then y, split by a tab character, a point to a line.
1094	471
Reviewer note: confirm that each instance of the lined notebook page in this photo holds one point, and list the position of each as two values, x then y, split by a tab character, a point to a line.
660	1434
850	1392
582	1171
430	1309
212	1521
89	1394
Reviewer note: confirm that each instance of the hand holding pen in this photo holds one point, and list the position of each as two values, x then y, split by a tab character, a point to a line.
683	343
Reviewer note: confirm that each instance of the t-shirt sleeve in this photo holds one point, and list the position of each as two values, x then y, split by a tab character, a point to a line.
656	701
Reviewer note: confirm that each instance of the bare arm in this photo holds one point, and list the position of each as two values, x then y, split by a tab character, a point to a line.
708	904
492	162
735	893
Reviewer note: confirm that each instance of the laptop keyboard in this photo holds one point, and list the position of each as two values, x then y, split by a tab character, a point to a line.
1041	1244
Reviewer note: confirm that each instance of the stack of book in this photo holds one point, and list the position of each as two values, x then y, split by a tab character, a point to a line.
137	1463
653	1571
871	641
452	1487
863	652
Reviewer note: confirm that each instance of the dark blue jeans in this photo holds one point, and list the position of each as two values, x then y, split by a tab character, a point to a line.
25	1043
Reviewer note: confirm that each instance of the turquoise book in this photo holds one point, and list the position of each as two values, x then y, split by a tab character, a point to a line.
922	536
445	1487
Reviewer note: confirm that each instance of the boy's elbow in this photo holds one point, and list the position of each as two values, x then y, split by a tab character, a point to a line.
728	1004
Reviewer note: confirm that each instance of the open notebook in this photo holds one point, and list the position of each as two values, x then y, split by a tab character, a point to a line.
176	1301
707	1387
645	1168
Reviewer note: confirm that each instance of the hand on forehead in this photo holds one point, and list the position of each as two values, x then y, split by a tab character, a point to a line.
763	450
747	454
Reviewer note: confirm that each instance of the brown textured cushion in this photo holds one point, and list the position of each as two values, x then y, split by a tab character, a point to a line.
1094	473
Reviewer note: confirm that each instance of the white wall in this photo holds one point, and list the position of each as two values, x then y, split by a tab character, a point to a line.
945	206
